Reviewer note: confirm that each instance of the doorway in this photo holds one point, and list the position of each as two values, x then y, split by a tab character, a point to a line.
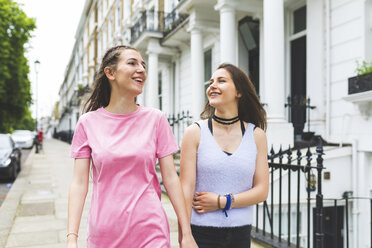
298	84
249	55
297	99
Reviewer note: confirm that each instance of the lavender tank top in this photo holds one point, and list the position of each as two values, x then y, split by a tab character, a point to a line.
222	174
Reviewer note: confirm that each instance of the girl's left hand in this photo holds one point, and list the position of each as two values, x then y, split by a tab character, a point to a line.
205	202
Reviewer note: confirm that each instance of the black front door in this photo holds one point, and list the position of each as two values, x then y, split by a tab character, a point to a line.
298	85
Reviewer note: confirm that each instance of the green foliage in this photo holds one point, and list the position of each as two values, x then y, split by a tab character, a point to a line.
80	87
27	122
363	68
15	87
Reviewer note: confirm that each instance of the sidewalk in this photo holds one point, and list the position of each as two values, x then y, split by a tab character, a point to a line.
34	213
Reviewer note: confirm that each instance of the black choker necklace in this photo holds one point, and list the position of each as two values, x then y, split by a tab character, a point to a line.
224	121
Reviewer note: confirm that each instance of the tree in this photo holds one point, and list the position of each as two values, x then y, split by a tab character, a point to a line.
15	87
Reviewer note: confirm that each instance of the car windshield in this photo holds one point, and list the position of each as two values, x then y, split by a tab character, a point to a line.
22	133
4	142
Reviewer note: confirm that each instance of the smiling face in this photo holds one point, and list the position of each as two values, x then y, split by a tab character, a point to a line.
129	75
222	90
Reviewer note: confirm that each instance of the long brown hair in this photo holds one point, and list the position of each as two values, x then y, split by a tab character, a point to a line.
250	108
101	92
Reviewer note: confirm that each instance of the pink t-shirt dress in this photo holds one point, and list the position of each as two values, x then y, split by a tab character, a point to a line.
125	209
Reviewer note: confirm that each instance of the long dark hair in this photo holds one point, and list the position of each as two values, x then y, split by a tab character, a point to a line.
101	91
250	108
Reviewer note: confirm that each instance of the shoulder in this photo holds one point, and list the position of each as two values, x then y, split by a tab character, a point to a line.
260	137
88	116
152	111
259	133
193	128
192	133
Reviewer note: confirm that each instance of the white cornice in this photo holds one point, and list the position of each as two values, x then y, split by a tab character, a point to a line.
225	4
363	101
204	26
358	98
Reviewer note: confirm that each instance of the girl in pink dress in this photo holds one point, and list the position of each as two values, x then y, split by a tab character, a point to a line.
122	141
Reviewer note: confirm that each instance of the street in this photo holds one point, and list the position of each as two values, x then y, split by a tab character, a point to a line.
5	185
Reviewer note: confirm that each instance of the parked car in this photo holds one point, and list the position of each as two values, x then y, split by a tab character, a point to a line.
10	157
65	136
24	138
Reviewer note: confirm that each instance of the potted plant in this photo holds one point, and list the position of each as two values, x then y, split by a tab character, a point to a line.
363	81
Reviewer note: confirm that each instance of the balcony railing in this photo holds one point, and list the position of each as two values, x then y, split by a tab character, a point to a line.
172	21
82	90
157	21
152	21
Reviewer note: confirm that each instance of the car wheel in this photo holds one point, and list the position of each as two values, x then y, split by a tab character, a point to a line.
19	165
14	174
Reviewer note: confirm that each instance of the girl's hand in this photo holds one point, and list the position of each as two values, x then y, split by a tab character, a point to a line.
205	202
188	242
71	241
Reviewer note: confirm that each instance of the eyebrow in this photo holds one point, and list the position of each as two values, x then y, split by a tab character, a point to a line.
143	62
217	78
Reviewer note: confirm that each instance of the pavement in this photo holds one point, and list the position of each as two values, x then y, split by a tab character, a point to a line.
34	213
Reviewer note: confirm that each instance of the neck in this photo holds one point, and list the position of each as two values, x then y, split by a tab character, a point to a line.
121	105
226	114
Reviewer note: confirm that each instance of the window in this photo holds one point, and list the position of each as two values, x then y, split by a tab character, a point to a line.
151	19
160	91
104	38
110	28
207	69
118	17
99	47
99	4
299	20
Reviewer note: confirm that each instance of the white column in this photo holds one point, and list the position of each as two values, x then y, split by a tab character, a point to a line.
197	72
279	131
274	59
314	66
152	80
227	34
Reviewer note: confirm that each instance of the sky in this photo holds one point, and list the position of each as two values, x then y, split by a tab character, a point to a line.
52	45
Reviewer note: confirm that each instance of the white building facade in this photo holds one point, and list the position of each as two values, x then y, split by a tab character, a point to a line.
293	50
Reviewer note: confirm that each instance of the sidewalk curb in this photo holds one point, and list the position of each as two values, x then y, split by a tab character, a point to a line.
8	209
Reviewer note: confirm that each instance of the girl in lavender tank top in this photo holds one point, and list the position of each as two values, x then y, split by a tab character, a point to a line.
224	169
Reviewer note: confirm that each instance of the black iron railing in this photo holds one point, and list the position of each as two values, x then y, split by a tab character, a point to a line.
278	163
179	122
83	90
271	230
150	20
172	21
157	21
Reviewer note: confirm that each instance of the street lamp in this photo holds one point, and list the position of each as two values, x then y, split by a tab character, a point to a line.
37	67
